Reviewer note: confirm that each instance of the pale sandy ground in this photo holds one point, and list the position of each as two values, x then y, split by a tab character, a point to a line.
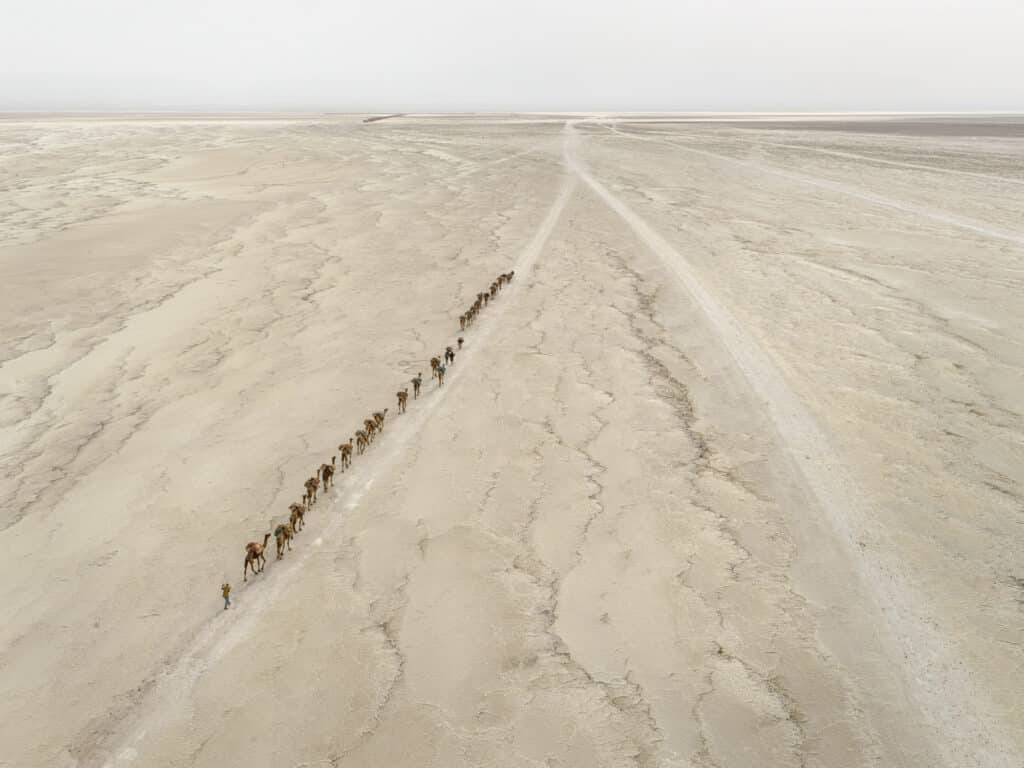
731	476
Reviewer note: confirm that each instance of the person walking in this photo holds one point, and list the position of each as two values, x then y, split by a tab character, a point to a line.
225	590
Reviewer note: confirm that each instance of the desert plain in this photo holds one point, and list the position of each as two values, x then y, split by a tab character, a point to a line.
731	474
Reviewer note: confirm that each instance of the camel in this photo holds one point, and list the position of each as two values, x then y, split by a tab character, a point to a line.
371	429
283	535
510	275
297	518
494	289
416	384
327	474
487	298
461	340
254	557
462	322
378	418
449	355
440	375
311	487
361	441
346	454
434	363
403	399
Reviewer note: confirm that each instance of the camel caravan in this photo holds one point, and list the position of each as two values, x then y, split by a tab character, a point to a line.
469	316
372	427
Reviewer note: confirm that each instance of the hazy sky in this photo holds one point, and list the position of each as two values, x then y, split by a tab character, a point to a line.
383	55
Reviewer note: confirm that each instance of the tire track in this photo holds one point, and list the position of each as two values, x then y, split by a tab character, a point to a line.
965	724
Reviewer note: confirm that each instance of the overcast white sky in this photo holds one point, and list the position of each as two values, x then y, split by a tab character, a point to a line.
400	55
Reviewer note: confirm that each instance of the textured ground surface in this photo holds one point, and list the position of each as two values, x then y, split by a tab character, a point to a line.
730	476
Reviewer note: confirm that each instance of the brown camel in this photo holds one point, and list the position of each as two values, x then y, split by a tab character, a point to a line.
346	454
327	475
461	340
297	516
417	382
434	363
371	429
378	418
254	557
311	488
283	535
462	322
449	355
403	399
361	441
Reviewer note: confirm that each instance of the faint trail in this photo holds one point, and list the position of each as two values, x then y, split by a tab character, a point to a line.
941	684
897	163
172	687
856	156
832	186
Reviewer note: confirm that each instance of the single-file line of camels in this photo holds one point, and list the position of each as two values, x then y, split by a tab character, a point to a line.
372	427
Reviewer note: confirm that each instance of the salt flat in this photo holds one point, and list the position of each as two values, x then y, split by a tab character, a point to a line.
730	475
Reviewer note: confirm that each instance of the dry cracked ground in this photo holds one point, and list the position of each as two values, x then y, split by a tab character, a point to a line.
730	475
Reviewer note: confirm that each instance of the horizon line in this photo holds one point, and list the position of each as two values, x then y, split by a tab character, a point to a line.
503	112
